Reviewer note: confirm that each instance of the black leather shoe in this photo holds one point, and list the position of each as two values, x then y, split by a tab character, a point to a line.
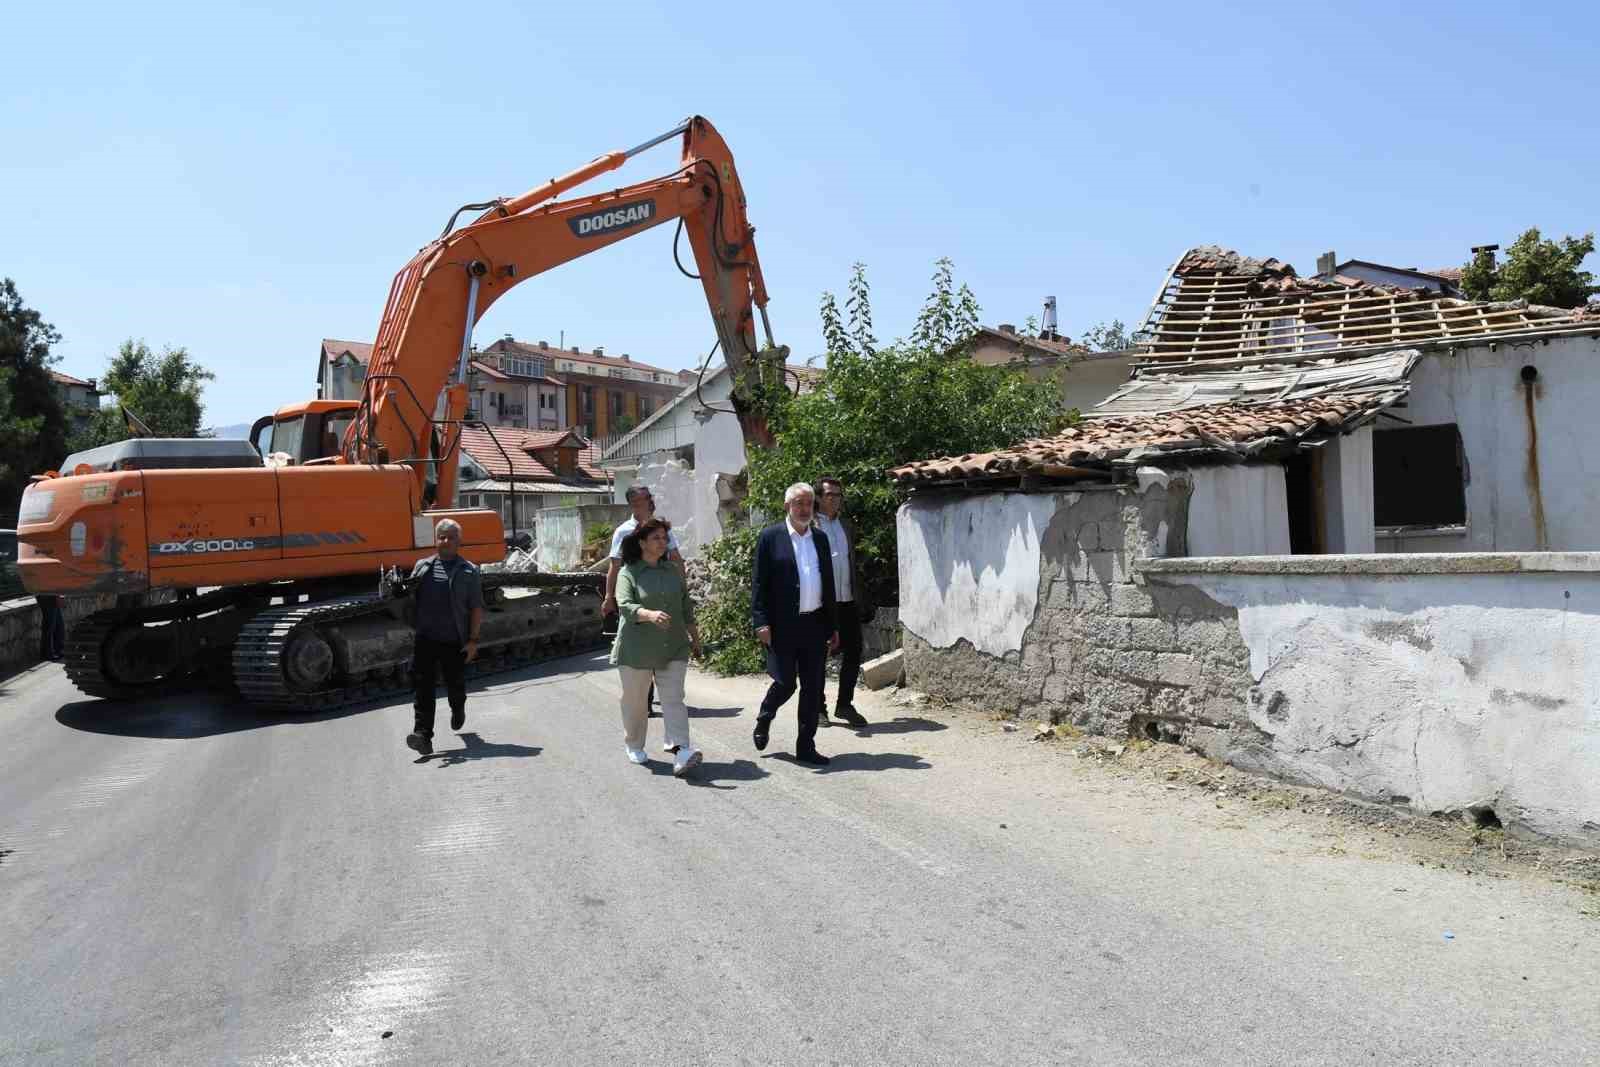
760	736
849	714
813	757
420	744
458	719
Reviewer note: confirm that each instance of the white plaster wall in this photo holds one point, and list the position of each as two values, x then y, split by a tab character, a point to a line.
1347	492
1480	389
1451	690
687	495
1086	383
969	567
1239	511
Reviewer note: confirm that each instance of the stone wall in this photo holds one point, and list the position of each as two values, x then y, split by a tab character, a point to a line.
19	627
1102	649
1447	683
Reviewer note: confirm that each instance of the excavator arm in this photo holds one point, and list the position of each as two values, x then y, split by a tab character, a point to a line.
423	342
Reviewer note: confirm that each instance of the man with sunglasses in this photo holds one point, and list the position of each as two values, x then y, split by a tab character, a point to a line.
853	607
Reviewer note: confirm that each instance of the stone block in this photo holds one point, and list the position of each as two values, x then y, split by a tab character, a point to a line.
1132	601
1155	635
883	671
1177	668
1132	663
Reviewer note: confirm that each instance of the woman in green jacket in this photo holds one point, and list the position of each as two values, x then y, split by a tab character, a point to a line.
655	638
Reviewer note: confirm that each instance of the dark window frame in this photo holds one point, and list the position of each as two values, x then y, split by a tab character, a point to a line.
1420	477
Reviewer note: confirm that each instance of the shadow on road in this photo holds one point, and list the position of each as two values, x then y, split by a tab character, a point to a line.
899	726
477	748
859	761
195	710
714	713
708	774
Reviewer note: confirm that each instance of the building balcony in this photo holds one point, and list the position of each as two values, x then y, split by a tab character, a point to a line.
513	411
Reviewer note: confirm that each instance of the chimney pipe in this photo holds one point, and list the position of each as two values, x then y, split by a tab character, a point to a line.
1048	328
1326	263
1006	327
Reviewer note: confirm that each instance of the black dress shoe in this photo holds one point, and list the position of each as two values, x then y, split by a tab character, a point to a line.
813	757
849	714
458	719
419	743
760	736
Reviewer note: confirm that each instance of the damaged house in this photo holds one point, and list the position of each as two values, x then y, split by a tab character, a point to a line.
1333	530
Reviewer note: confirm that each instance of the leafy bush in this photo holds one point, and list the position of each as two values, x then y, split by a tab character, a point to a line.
724	612
880	407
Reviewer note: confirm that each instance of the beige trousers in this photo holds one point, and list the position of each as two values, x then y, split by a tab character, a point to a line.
636	706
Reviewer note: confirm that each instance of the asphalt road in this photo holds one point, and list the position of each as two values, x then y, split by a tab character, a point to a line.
193	883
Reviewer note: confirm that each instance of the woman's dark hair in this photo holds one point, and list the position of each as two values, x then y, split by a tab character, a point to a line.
633	544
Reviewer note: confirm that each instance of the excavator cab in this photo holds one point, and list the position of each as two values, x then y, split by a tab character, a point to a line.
305	432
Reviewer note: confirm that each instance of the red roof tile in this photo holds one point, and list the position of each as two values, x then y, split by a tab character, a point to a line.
1090	446
518	446
67	379
332	349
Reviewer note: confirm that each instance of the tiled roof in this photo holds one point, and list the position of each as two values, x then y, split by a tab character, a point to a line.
518	446
1090	448
522	348
360	350
1226	308
67	379
1046	346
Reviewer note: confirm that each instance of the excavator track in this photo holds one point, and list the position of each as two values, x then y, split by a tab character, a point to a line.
85	655
276	642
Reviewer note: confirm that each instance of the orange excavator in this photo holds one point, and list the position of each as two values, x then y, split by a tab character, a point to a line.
271	551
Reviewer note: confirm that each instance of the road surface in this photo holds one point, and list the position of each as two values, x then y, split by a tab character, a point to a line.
193	883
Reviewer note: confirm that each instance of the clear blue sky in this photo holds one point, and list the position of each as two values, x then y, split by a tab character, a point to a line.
244	181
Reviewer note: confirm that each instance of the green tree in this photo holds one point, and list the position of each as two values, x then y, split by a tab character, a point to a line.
879	406
163	391
1110	336
33	427
1537	270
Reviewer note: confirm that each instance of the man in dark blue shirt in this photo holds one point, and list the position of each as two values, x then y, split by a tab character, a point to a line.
449	607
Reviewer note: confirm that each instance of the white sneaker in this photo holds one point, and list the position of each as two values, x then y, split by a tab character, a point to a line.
686	760
639	756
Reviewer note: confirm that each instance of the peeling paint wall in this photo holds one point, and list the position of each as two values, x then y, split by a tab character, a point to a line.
1445	692
1444	683
969	567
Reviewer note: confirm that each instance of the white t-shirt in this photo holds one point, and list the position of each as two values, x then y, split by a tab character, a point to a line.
805	559
627	528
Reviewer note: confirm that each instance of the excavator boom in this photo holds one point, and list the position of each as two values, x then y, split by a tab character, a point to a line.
424	337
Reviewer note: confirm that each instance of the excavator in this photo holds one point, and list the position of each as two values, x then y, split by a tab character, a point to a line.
270	553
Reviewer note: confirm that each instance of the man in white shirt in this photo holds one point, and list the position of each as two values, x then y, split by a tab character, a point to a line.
853	607
644	506
792	611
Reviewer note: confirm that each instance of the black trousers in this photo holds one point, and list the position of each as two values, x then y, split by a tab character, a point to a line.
798	659
52	627
429	659
849	655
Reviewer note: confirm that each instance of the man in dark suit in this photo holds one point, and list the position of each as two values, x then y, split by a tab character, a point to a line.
792	609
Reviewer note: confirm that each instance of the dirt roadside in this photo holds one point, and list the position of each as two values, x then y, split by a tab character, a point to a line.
1168	781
